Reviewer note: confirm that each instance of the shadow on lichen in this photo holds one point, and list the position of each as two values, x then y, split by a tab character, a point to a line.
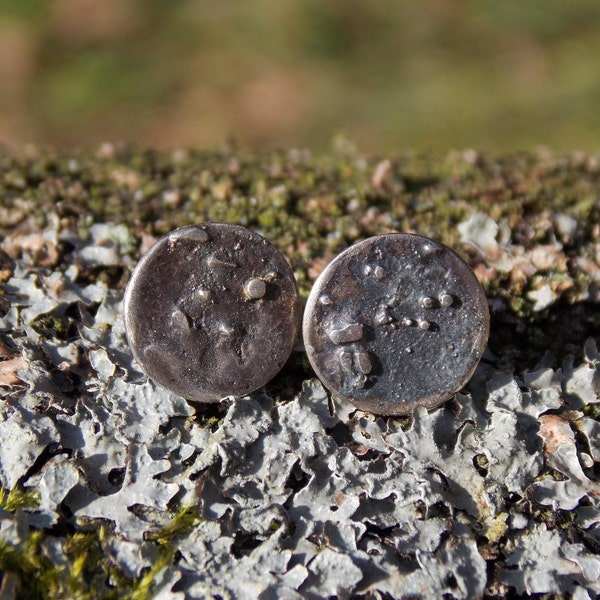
285	385
546	339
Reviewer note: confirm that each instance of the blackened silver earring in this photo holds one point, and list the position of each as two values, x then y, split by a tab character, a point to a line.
396	321
212	310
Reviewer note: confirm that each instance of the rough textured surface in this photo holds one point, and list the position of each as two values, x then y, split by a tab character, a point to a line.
211	310
374	322
112	487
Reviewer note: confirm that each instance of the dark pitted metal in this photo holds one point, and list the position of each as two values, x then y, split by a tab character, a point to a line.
396	321
212	310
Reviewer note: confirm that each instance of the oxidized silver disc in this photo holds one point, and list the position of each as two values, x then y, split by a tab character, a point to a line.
212	310
396	321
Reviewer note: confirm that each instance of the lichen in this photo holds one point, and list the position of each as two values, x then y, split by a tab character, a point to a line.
113	487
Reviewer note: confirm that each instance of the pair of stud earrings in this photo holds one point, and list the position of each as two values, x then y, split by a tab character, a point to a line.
394	321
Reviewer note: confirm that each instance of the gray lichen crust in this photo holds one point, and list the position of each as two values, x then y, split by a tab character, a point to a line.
111	486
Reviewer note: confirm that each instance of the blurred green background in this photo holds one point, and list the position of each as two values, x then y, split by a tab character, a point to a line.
431	74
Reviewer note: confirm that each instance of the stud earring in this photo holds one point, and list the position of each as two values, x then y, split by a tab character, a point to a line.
211	310
396	321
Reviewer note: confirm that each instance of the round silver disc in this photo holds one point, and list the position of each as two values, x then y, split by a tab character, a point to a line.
396	321
212	310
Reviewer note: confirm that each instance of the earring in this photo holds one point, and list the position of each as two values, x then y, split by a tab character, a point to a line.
211	310
396	321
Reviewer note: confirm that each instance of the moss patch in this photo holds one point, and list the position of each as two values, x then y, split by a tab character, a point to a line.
546	209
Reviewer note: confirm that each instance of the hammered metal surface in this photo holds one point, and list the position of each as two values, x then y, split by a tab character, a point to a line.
212	310
396	321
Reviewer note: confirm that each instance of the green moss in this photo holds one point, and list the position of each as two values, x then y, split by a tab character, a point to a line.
481	463
30	567
82	578
55	326
17	497
211	422
87	567
518	305
182	523
143	586
89	573
592	411
312	207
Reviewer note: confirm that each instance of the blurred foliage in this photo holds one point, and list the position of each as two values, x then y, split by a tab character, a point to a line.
389	75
